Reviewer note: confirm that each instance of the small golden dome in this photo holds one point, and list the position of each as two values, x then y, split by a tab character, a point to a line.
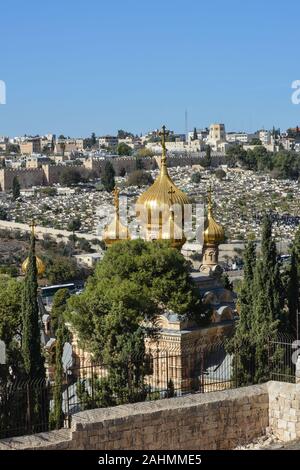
157	200
213	233
115	231
39	266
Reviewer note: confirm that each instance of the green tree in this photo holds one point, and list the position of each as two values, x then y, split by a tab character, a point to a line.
196	177
74	225
255	141
220	174
139	178
123	134
296	247
270	272
69	176
235	154
16	187
56	418
133	283
267	304
242	344
58	308
11	319
108	178
3	213
31	345
207	161
124	149
93	139
195	134
144	152
293	290
227	284
61	269
139	164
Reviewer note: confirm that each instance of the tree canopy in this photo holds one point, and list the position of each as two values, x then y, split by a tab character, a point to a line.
139	178
124	150
133	283
282	164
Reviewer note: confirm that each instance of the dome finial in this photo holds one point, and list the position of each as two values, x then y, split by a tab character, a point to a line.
32	226
116	193
164	134
209	199
115	231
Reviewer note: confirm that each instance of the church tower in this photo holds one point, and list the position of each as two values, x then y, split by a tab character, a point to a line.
213	235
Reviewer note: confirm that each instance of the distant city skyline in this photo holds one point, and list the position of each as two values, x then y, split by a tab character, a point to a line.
74	68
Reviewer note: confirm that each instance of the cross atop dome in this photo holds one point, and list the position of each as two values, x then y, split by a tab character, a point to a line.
163	134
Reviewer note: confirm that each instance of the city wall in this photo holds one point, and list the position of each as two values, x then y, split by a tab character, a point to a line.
27	177
217	420
50	174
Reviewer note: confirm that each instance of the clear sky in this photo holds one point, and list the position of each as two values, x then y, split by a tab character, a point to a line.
74	66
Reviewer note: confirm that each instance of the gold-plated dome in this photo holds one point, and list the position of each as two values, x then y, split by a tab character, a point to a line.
213	233
153	205
115	231
40	266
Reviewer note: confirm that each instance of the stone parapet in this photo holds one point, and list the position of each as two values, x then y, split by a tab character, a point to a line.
217	420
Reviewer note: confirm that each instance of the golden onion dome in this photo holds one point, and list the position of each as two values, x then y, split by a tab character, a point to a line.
158	195
162	195
213	233
115	231
40	266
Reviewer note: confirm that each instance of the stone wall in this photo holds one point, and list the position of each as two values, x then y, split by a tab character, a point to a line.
50	174
27	177
218	420
284	410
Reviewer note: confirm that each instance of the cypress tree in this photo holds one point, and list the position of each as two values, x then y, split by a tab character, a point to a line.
108	178
31	347
208	156
264	327
293	294
31	342
267	304
57	415
241	344
270	272
296	248
16	188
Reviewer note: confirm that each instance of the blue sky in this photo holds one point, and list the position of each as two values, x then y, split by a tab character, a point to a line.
75	67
